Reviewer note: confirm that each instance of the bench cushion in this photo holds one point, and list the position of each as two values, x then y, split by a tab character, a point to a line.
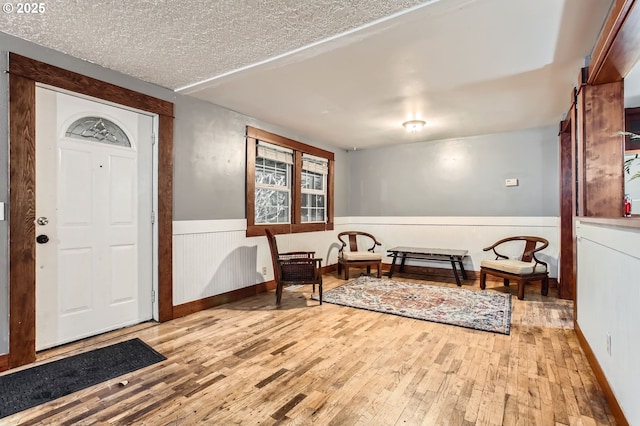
513	266
361	255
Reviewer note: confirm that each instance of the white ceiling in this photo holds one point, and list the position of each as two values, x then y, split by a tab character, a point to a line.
344	72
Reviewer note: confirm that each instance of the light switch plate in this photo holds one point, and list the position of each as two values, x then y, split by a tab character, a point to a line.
511	182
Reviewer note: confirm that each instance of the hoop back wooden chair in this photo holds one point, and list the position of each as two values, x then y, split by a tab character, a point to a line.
350	256
525	269
296	267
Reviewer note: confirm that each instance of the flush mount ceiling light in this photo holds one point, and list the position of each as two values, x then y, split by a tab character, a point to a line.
414	125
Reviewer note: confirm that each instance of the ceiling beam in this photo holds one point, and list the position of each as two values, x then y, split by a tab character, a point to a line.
616	51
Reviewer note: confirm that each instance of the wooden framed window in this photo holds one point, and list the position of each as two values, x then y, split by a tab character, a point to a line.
289	185
313	187
273	181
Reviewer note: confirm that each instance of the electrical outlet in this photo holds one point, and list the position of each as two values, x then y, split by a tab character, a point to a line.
264	270
609	344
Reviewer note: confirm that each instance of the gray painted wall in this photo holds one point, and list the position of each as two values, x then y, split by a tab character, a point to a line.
210	161
209	149
459	177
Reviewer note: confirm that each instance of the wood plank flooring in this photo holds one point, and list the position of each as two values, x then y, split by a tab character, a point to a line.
247	363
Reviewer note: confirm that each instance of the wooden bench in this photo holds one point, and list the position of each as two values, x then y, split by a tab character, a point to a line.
429	254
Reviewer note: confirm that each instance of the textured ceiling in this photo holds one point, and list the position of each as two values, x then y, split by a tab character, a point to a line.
347	73
174	43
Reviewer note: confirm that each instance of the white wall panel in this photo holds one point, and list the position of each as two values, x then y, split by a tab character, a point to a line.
215	257
213	263
608	295
463	233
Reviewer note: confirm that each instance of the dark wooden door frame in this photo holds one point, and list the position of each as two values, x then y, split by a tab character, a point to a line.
567	262
24	73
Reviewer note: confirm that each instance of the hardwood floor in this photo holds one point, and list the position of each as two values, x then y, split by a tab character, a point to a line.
248	363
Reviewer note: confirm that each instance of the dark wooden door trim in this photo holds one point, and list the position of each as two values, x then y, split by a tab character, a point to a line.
22	271
616	50
567	209
24	73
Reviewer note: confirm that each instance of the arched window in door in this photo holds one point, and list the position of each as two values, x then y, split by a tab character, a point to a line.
98	129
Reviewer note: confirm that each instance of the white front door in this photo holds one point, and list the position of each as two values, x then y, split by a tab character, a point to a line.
94	199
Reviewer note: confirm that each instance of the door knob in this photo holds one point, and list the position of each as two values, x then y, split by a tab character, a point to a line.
42	239
42	220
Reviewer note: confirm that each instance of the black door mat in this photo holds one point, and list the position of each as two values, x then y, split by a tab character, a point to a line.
43	383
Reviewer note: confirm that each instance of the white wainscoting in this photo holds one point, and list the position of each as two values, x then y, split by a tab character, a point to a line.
212	257
215	257
608	300
464	233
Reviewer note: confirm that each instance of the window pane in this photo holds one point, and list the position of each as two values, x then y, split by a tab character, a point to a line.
272	206
313	208
272	173
283	216
272	203
311	180
98	129
306	181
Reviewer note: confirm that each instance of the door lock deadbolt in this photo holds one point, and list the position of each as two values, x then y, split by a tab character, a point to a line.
42	220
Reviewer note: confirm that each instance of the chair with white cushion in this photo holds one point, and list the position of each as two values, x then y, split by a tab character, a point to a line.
350	256
525	269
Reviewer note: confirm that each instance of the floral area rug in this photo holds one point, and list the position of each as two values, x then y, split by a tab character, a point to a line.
479	310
